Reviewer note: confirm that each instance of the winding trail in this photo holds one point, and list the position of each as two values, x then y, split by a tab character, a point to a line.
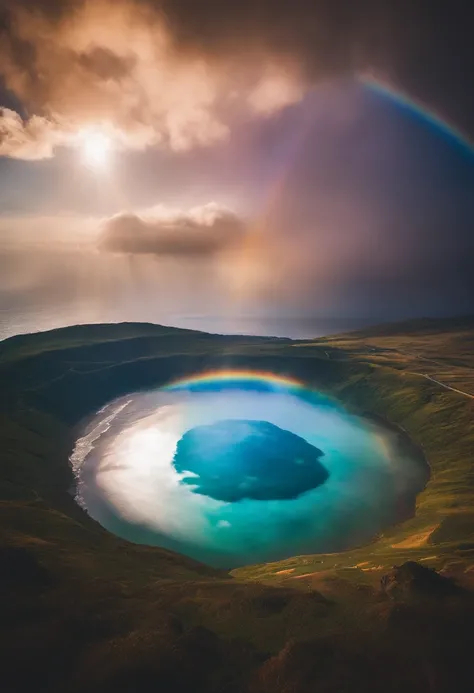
447	387
425	375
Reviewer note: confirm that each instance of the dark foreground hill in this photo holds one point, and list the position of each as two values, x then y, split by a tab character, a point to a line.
82	610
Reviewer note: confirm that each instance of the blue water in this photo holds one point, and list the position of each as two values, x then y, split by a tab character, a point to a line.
127	481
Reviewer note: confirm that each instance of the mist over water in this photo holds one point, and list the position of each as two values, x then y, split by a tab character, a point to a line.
128	479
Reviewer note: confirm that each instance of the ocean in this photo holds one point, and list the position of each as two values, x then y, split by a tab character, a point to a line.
40	319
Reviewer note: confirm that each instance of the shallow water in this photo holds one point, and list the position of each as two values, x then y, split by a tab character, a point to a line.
128	481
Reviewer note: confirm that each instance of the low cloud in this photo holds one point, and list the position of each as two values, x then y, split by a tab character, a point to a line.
201	231
52	272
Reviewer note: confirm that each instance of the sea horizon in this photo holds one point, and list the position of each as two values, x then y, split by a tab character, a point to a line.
17	323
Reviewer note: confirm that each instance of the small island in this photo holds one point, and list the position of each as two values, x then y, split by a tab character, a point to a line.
233	459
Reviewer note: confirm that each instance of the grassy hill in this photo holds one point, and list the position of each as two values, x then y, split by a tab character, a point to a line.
84	610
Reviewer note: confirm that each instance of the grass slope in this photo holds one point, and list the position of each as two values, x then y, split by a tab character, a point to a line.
84	610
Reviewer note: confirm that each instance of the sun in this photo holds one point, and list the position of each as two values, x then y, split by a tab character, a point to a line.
96	147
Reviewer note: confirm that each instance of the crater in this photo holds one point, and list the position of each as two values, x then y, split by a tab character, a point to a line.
241	470
233	460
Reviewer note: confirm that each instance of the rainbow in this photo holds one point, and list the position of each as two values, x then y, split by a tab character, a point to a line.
424	112
292	148
233	377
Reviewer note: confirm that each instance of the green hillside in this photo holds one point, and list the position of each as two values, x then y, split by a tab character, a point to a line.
84	610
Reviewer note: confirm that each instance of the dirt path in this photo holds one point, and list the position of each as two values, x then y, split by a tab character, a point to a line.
447	387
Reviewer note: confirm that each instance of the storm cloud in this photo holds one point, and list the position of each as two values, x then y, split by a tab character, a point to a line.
178	74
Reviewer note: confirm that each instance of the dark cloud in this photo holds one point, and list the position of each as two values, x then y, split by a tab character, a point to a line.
202	231
105	65
175	72
422	47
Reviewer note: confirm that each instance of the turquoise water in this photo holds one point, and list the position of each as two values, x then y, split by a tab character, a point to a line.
127	479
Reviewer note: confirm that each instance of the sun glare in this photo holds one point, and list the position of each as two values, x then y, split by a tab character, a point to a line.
95	148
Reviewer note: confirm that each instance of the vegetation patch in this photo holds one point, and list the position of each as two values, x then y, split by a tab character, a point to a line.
83	610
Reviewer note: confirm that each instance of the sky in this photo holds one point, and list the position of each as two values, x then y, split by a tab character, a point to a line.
167	161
